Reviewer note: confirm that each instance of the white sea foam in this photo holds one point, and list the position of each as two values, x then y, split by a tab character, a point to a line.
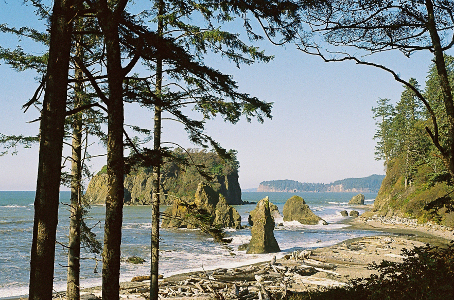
337	203
14	206
317	208
240	240
181	250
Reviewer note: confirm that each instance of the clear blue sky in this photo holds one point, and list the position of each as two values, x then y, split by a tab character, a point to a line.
322	128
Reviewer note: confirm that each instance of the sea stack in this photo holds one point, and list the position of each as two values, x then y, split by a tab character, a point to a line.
274	211
296	209
357	200
262	231
206	200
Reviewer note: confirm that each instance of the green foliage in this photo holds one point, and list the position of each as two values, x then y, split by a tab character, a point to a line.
135	260
10	143
416	174
426	273
88	238
182	172
103	170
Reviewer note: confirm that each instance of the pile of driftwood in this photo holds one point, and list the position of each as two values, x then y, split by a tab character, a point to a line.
271	280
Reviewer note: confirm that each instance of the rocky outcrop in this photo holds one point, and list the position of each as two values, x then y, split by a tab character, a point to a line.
230	188
208	204
296	209
97	190
138	189
274	210
357	200
262	231
344	213
354	213
226	216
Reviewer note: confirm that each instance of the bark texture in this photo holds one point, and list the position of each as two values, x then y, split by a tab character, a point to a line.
50	152
154	285
109	21
73	276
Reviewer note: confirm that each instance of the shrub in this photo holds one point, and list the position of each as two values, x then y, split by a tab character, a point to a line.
427	273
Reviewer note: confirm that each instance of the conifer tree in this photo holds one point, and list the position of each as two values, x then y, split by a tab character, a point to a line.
384	114
370	27
50	152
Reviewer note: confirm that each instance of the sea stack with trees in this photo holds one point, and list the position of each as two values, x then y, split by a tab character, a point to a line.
170	44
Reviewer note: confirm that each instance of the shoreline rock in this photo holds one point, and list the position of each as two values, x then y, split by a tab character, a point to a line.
274	211
357	200
296	209
262	231
207	202
299	270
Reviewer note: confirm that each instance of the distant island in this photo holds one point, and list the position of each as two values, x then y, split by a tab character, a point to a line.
370	184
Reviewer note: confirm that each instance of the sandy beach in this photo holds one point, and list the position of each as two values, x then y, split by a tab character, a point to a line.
298	271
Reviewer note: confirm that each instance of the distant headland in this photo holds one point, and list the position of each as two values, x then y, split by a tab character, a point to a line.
370	184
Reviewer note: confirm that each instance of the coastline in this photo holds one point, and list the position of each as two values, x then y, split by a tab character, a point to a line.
334	265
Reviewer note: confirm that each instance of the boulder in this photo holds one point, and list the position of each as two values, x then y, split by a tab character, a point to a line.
225	215
296	209
262	231
176	216
206	201
274	210
357	200
354	213
344	213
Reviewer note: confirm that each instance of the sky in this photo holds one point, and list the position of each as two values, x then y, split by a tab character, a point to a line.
321	131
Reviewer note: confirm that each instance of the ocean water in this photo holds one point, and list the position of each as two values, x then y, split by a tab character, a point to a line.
181	249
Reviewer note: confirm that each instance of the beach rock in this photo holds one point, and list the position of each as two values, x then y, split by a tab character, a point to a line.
274	210
175	215
295	209
206	201
88	297
357	200
354	213
344	213
262	231
225	215
243	247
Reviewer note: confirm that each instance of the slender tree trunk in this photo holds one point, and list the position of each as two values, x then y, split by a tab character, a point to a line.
73	277
50	153
448	154
154	286
115	160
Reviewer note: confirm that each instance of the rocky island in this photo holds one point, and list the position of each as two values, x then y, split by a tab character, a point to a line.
178	181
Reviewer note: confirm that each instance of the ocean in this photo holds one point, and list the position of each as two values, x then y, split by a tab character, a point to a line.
182	250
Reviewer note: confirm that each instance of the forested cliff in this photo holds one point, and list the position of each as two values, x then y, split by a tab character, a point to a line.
417	182
178	180
370	184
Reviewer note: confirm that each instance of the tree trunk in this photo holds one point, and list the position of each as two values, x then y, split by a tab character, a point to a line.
50	152
448	154
115	160
154	286
73	276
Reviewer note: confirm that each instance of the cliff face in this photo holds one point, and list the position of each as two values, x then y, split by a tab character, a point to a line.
138	189
339	188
